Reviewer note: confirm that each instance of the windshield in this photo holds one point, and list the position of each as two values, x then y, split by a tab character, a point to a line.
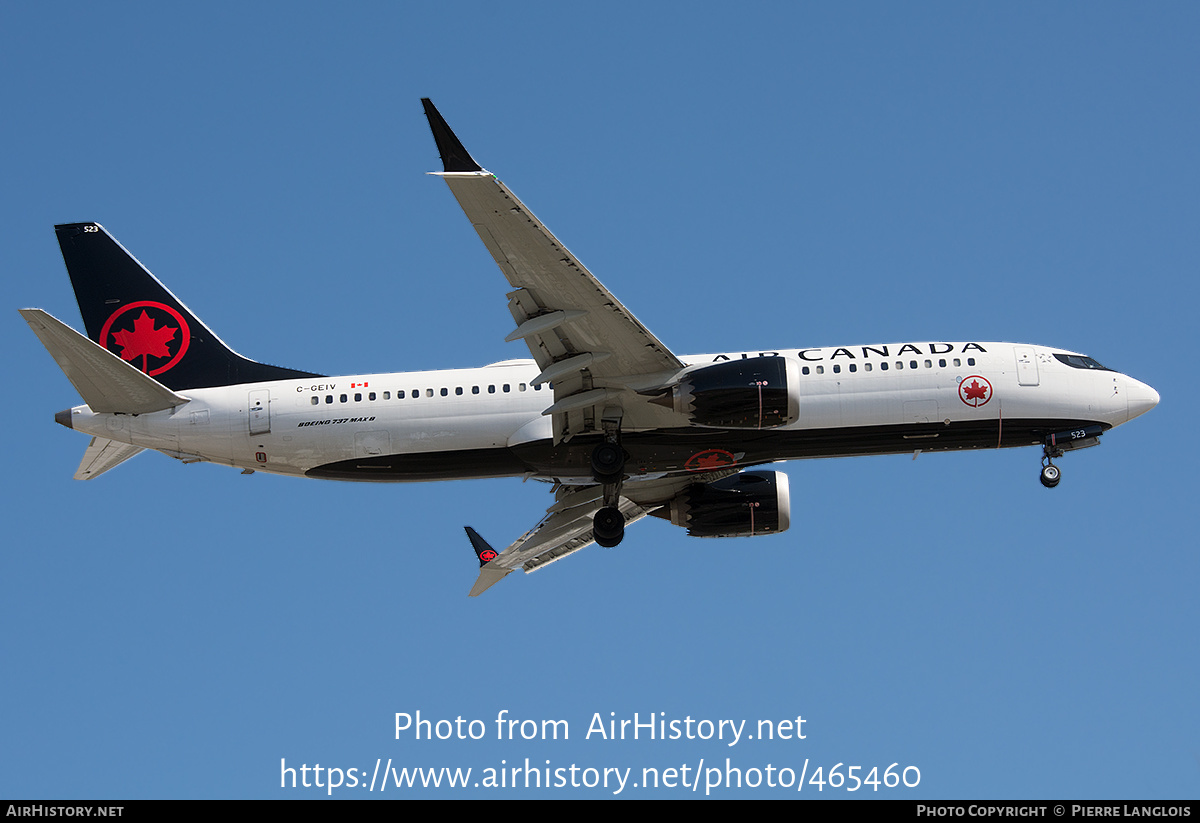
1078	361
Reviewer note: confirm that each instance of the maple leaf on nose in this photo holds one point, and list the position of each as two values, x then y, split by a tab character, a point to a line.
144	340
975	391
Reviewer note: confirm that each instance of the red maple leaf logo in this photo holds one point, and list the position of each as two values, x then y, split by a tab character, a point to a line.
975	391
709	460
144	341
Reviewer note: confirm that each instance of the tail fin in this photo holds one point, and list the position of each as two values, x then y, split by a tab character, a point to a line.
127	311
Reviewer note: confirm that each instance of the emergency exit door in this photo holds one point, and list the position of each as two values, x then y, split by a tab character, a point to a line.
260	411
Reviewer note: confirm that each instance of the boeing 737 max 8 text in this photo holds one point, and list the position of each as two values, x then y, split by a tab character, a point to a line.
620	425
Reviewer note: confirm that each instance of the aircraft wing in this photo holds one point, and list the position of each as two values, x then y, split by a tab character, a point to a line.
567	526
586	343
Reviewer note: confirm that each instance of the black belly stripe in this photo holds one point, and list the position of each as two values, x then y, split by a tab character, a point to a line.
669	450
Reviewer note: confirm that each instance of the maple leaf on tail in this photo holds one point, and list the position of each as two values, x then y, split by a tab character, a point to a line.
144	341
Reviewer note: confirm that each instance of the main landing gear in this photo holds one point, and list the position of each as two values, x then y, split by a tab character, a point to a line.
608	527
608	462
608	469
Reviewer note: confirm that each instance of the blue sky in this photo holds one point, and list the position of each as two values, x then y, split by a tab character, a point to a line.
779	175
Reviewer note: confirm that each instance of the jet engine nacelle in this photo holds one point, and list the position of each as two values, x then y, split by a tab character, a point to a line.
755	393
747	504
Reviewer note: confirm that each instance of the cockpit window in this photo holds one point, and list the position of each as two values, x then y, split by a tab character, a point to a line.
1077	361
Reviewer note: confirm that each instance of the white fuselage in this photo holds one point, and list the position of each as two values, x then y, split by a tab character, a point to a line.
923	396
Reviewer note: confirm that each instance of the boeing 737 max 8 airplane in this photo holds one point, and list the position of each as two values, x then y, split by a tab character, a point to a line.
620	425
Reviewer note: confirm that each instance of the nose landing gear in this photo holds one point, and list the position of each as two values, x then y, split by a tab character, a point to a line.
1050	473
1056	445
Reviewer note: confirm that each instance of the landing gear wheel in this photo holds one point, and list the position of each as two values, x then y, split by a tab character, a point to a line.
608	526
1050	475
608	463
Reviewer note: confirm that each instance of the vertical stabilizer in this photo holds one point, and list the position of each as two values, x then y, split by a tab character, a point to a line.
131	314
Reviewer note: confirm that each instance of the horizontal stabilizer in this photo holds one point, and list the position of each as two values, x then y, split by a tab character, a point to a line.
102	455
105	382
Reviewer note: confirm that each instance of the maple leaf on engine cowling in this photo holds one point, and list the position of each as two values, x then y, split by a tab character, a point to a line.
145	340
975	391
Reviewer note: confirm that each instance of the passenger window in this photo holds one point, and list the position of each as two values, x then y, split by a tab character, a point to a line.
342	398
866	366
804	370
429	392
899	364
929	364
942	363
853	367
520	387
474	390
837	368
315	400
820	369
387	395
358	397
970	361
912	364
491	389
329	398
506	387
458	390
445	392
883	366
957	362
371	396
